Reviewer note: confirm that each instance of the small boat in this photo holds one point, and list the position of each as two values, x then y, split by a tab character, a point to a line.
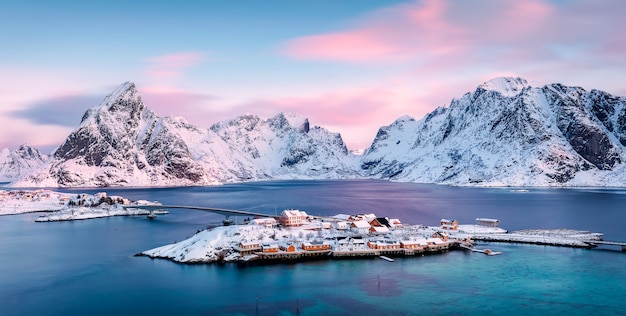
227	222
386	258
152	215
490	252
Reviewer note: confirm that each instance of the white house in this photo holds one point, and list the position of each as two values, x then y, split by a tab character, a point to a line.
342	225
361	227
449	224
292	218
351	244
268	222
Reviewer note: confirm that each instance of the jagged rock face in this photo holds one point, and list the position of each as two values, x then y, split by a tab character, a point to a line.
285	146
508	133
121	142
16	163
577	118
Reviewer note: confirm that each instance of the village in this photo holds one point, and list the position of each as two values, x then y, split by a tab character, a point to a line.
296	235
351	236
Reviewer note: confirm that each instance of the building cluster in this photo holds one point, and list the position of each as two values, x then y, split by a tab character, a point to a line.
349	235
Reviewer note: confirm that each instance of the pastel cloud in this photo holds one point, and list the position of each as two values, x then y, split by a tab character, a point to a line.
488	31
190	105
357	113
445	48
172	66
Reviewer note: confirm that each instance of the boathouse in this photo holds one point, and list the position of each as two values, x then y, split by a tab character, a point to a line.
287	247
412	244
351	244
248	247
270	248
316	246
489	222
383	244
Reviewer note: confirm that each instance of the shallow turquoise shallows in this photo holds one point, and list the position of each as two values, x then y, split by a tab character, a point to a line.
88	267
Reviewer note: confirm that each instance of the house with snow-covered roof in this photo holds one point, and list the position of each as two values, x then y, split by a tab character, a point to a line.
361	227
489	222
449	224
380	222
413	244
316	246
367	217
342	225
383	244
270	248
287	247
290	218
268	222
248	247
350	244
379	230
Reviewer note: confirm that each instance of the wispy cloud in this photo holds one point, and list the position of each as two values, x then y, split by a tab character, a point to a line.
62	111
452	34
173	66
195	107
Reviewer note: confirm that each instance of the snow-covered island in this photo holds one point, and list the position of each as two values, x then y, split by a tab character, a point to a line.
67	207
294	235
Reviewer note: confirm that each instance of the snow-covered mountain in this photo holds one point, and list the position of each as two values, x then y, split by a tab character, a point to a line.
508	133
18	162
122	142
505	133
285	146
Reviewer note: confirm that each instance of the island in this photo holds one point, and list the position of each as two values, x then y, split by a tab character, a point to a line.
295	235
59	206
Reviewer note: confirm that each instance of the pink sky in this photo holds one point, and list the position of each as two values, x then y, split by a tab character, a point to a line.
361	73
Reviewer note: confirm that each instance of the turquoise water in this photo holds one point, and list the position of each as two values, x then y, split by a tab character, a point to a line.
75	268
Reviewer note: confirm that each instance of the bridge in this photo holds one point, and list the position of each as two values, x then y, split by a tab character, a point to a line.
611	243
226	212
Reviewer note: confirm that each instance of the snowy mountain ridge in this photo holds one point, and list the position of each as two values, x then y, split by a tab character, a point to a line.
505	133
123	143
15	163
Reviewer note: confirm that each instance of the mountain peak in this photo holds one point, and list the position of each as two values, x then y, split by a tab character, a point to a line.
283	120
124	92
507	86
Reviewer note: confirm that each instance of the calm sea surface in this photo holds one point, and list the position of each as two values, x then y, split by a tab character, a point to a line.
88	268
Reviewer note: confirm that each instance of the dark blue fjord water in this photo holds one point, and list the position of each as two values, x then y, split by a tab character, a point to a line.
88	267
